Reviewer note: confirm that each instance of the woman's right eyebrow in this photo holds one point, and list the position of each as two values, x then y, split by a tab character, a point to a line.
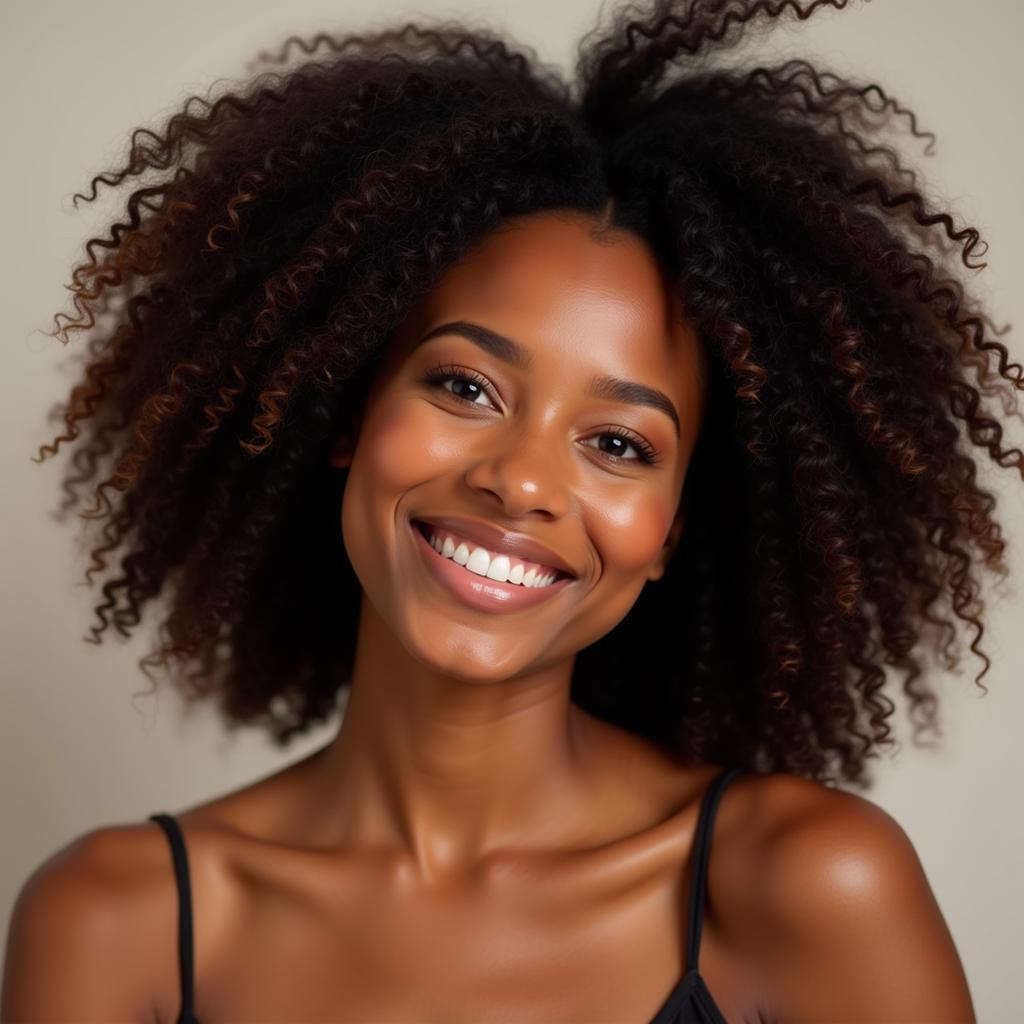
505	349
615	389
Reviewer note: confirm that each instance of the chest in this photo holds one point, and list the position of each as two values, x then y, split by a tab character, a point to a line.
524	942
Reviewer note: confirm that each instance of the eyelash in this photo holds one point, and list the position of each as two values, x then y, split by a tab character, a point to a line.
437	376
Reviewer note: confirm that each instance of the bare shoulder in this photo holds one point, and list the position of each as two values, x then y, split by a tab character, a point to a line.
825	895
98	914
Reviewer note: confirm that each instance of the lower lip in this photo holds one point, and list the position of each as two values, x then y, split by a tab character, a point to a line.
480	591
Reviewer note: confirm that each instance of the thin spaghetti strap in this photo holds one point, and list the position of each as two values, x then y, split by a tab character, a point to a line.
185	952
699	861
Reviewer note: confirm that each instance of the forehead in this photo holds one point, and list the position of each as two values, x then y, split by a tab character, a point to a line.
580	304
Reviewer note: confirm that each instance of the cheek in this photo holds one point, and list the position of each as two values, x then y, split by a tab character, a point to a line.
391	457
399	447
630	533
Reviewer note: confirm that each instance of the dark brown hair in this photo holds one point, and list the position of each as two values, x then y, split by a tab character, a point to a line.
238	309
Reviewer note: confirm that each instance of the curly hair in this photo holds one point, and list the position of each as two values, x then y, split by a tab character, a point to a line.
237	311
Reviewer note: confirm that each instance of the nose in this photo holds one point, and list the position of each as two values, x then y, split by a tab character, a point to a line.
526	470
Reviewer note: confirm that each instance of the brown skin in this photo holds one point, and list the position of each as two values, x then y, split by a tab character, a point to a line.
472	846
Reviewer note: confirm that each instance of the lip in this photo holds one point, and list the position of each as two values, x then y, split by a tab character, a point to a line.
481	592
502	542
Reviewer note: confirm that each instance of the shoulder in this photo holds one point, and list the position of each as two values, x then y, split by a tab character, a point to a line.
826	896
93	914
803	841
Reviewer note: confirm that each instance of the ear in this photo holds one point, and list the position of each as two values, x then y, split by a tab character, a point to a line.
674	533
345	444
342	452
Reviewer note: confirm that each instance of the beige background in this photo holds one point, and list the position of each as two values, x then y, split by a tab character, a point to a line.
79	752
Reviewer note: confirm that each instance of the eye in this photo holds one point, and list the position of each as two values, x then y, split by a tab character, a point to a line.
477	385
624	439
439	376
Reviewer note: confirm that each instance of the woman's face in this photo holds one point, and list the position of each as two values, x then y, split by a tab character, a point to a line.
506	440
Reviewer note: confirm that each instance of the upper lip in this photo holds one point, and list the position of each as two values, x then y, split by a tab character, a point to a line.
502	542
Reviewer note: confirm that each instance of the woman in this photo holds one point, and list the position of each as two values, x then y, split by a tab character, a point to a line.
601	450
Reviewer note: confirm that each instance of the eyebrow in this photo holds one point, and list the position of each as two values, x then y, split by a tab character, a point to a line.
615	389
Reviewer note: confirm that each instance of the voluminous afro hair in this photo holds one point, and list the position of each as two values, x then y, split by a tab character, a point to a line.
278	235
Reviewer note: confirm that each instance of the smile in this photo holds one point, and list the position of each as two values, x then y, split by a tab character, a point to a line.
477	589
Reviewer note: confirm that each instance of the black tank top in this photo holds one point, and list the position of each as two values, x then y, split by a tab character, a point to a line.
689	1002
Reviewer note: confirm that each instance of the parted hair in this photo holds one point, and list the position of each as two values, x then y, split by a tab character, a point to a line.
274	237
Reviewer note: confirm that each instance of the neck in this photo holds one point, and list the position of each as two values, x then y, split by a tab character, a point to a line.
451	771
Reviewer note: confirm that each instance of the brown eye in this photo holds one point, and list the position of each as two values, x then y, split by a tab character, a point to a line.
622	441
469	385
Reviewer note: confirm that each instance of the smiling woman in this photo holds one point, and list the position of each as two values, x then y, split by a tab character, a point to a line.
602	445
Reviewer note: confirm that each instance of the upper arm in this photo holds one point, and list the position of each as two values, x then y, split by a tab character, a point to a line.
856	934
73	949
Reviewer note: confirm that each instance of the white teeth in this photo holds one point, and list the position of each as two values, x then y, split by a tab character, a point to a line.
497	567
478	561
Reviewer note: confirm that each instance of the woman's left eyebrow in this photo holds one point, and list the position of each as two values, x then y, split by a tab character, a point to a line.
615	389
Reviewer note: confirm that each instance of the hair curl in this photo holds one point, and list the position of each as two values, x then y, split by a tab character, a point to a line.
240	306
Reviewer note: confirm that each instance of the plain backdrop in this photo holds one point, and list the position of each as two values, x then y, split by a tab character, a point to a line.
80	751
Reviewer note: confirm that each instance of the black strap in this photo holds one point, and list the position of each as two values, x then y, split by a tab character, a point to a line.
699	860
173	832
